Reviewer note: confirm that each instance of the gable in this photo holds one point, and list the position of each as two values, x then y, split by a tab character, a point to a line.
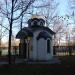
29	31
43	34
38	28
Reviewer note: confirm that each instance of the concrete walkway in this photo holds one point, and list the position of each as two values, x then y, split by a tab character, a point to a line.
19	60
52	61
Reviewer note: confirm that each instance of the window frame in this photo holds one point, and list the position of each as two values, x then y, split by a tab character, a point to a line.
48	44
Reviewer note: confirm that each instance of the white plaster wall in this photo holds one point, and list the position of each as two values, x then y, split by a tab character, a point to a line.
41	49
34	53
37	50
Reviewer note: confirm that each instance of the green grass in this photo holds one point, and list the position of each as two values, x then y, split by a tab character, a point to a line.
66	67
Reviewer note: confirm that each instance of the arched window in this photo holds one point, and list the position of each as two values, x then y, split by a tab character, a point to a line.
48	46
34	22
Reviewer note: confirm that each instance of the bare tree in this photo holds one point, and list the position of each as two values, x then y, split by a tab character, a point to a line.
10	9
3	31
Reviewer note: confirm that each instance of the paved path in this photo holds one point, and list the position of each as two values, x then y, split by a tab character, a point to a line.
52	61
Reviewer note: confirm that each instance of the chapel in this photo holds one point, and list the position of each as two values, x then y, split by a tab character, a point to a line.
36	40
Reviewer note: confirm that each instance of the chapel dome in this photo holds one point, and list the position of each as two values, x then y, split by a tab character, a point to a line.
39	16
36	20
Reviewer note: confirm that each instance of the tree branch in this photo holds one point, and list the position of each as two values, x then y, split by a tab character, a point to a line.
24	10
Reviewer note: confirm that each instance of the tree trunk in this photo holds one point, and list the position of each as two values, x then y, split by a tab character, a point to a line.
10	33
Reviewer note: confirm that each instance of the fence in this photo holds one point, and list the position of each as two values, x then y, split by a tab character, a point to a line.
4	51
64	50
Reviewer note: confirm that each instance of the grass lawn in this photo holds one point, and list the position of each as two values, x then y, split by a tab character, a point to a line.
66	67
